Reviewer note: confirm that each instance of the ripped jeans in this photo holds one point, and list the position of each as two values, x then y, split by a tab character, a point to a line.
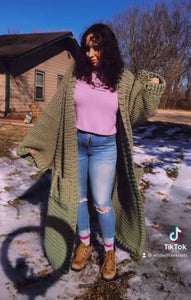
97	161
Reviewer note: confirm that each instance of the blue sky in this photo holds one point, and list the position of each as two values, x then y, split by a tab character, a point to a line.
25	16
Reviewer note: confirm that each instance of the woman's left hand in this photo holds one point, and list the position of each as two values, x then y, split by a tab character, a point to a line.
154	80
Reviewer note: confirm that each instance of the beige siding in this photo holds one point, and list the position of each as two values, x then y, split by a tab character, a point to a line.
21	92
22	86
2	92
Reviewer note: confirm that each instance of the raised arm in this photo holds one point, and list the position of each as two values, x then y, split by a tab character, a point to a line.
145	96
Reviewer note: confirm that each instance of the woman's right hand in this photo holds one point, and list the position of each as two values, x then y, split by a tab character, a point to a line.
32	152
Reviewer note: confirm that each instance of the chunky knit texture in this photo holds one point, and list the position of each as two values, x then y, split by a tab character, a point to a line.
54	139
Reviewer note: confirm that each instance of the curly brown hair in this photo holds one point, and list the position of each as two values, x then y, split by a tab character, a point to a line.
112	64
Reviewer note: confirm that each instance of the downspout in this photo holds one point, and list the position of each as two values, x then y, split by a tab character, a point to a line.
7	91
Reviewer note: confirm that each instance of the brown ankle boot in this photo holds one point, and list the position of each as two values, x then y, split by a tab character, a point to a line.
109	269
83	252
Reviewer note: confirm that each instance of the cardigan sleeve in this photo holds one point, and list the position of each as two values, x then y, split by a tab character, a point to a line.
42	138
144	97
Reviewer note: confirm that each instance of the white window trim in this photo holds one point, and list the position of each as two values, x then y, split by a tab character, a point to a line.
42	86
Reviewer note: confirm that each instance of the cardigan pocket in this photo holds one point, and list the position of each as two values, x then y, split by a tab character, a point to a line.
65	191
61	190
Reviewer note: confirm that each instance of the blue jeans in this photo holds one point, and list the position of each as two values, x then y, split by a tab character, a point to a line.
97	157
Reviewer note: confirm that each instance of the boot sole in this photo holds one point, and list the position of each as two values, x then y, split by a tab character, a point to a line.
108	279
78	270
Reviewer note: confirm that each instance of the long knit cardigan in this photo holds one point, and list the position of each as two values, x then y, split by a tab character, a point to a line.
54	139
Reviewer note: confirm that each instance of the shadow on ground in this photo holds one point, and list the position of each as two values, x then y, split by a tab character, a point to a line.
160	137
32	285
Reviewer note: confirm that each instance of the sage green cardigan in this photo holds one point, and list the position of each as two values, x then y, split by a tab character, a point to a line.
54	140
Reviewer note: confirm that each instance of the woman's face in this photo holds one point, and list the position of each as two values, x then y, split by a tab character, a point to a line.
93	51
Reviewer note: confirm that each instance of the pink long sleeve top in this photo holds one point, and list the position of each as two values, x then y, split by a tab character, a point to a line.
96	107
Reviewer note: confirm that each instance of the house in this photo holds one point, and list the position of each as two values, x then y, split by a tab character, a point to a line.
31	68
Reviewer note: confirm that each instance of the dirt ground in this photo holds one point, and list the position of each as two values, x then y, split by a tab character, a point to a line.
9	136
173	116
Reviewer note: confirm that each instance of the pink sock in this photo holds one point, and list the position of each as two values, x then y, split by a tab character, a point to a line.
108	247
85	240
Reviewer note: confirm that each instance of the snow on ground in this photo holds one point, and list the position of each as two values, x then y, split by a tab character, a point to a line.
167	271
164	271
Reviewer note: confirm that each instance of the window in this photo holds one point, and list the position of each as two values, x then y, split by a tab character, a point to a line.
59	79
39	86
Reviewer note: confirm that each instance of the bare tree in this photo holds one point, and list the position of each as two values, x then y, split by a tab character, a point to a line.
159	40
12	30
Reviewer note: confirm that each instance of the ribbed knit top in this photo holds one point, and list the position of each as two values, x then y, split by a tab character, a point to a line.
96	107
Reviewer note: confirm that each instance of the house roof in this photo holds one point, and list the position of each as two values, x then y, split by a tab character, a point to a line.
14	45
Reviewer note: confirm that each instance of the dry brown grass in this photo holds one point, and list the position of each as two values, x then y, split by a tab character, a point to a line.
9	136
173	116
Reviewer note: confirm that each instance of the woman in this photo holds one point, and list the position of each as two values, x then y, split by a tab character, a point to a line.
85	132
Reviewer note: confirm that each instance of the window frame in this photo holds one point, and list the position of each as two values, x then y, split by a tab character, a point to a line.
41	86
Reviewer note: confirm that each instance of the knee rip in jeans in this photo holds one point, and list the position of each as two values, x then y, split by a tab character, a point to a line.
103	210
82	200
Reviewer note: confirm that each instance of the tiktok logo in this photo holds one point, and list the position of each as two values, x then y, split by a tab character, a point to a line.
174	236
